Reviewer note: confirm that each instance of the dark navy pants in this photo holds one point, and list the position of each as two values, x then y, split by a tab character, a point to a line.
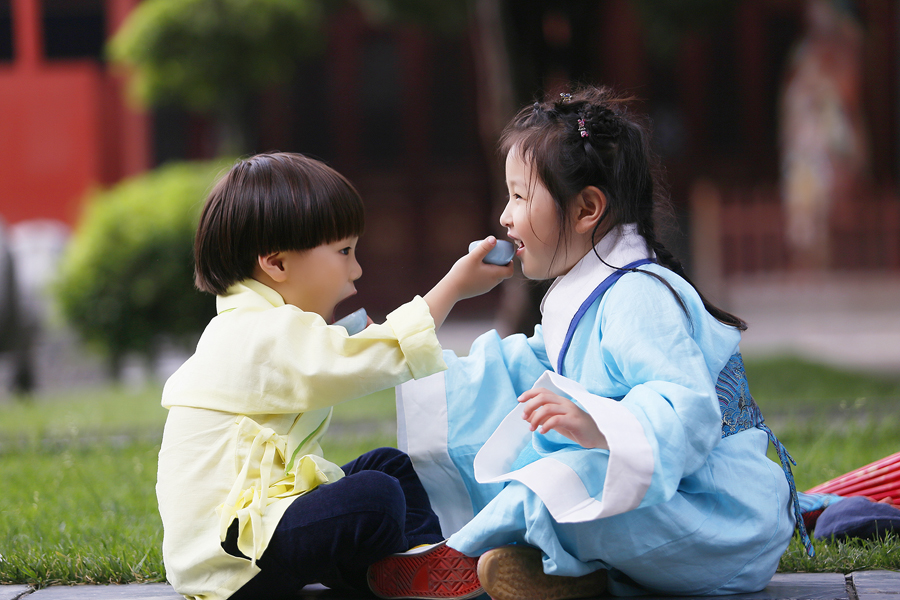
332	534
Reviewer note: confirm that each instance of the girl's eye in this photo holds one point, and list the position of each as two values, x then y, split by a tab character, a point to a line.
517	197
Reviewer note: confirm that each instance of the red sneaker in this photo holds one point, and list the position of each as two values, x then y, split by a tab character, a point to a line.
431	572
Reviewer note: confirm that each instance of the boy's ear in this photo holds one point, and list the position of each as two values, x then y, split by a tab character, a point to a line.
589	207
273	266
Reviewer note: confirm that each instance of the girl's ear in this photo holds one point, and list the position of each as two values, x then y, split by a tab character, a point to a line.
588	207
273	266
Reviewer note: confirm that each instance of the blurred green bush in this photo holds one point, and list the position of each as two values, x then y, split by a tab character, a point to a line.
126	281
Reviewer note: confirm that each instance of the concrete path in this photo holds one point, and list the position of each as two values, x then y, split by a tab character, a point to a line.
862	585
850	321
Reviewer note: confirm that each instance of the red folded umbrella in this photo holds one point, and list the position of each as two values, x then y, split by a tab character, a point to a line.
879	481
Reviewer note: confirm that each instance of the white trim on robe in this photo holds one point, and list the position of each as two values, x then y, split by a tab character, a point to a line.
424	401
619	247
559	487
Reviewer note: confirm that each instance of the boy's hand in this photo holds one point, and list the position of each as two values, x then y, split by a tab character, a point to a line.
545	410
472	276
468	277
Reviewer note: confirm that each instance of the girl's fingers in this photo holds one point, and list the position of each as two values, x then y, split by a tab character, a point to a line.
541	414
534	404
526	396
551	423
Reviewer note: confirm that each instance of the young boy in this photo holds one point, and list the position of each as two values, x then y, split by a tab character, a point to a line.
250	507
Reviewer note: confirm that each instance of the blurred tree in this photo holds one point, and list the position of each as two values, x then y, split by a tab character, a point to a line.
125	283
212	56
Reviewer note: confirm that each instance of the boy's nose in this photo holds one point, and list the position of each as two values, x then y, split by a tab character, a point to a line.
356	272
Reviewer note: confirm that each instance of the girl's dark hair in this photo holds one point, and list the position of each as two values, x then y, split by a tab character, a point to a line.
271	203
589	138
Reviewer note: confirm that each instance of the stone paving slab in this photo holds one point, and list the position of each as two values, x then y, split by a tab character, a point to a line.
862	585
144	591
877	585
13	592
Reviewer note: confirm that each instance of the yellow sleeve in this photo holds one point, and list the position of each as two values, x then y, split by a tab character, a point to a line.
284	360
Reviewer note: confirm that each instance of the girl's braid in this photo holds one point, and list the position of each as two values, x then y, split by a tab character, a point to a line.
668	260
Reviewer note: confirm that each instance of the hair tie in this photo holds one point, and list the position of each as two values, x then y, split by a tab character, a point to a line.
581	128
566	98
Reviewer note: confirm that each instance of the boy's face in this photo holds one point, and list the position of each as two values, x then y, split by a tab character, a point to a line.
317	280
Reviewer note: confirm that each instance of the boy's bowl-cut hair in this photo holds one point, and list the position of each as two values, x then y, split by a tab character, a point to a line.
271	203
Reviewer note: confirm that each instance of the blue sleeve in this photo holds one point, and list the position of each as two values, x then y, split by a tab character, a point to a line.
482	388
445	419
494	373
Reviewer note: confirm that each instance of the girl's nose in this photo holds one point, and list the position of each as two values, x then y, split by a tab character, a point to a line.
506	215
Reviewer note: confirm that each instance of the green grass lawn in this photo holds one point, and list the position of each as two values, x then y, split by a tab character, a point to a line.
78	469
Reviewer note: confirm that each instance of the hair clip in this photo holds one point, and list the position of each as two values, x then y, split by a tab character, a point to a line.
581	128
566	98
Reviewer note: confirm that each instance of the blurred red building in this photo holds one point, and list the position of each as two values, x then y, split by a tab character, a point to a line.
64	125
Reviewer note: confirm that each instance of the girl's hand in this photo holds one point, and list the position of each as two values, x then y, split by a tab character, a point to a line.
468	277
545	410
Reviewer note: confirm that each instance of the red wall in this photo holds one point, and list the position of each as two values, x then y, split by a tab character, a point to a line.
64	127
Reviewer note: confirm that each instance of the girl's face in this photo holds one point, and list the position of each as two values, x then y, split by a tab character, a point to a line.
531	222
318	279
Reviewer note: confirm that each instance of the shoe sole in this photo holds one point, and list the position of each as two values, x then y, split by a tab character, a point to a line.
438	572
517	573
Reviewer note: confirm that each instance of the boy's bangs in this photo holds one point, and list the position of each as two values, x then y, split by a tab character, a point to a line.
309	208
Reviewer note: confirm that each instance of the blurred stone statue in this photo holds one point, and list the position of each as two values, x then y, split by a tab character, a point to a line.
823	143
30	345
15	346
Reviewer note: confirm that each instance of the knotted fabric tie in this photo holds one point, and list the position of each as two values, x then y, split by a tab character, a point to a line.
740	412
265	458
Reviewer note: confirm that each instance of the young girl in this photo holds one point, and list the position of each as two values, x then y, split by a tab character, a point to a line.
619	445
241	477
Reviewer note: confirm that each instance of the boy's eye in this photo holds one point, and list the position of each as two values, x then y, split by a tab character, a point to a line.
345	251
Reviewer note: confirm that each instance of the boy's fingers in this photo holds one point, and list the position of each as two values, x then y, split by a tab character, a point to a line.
483	247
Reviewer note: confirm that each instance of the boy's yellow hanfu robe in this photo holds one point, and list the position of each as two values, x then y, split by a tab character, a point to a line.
246	413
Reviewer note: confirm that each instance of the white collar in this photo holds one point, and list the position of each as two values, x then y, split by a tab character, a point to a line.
621	246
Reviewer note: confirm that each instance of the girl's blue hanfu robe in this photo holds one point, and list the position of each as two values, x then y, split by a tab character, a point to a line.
678	504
